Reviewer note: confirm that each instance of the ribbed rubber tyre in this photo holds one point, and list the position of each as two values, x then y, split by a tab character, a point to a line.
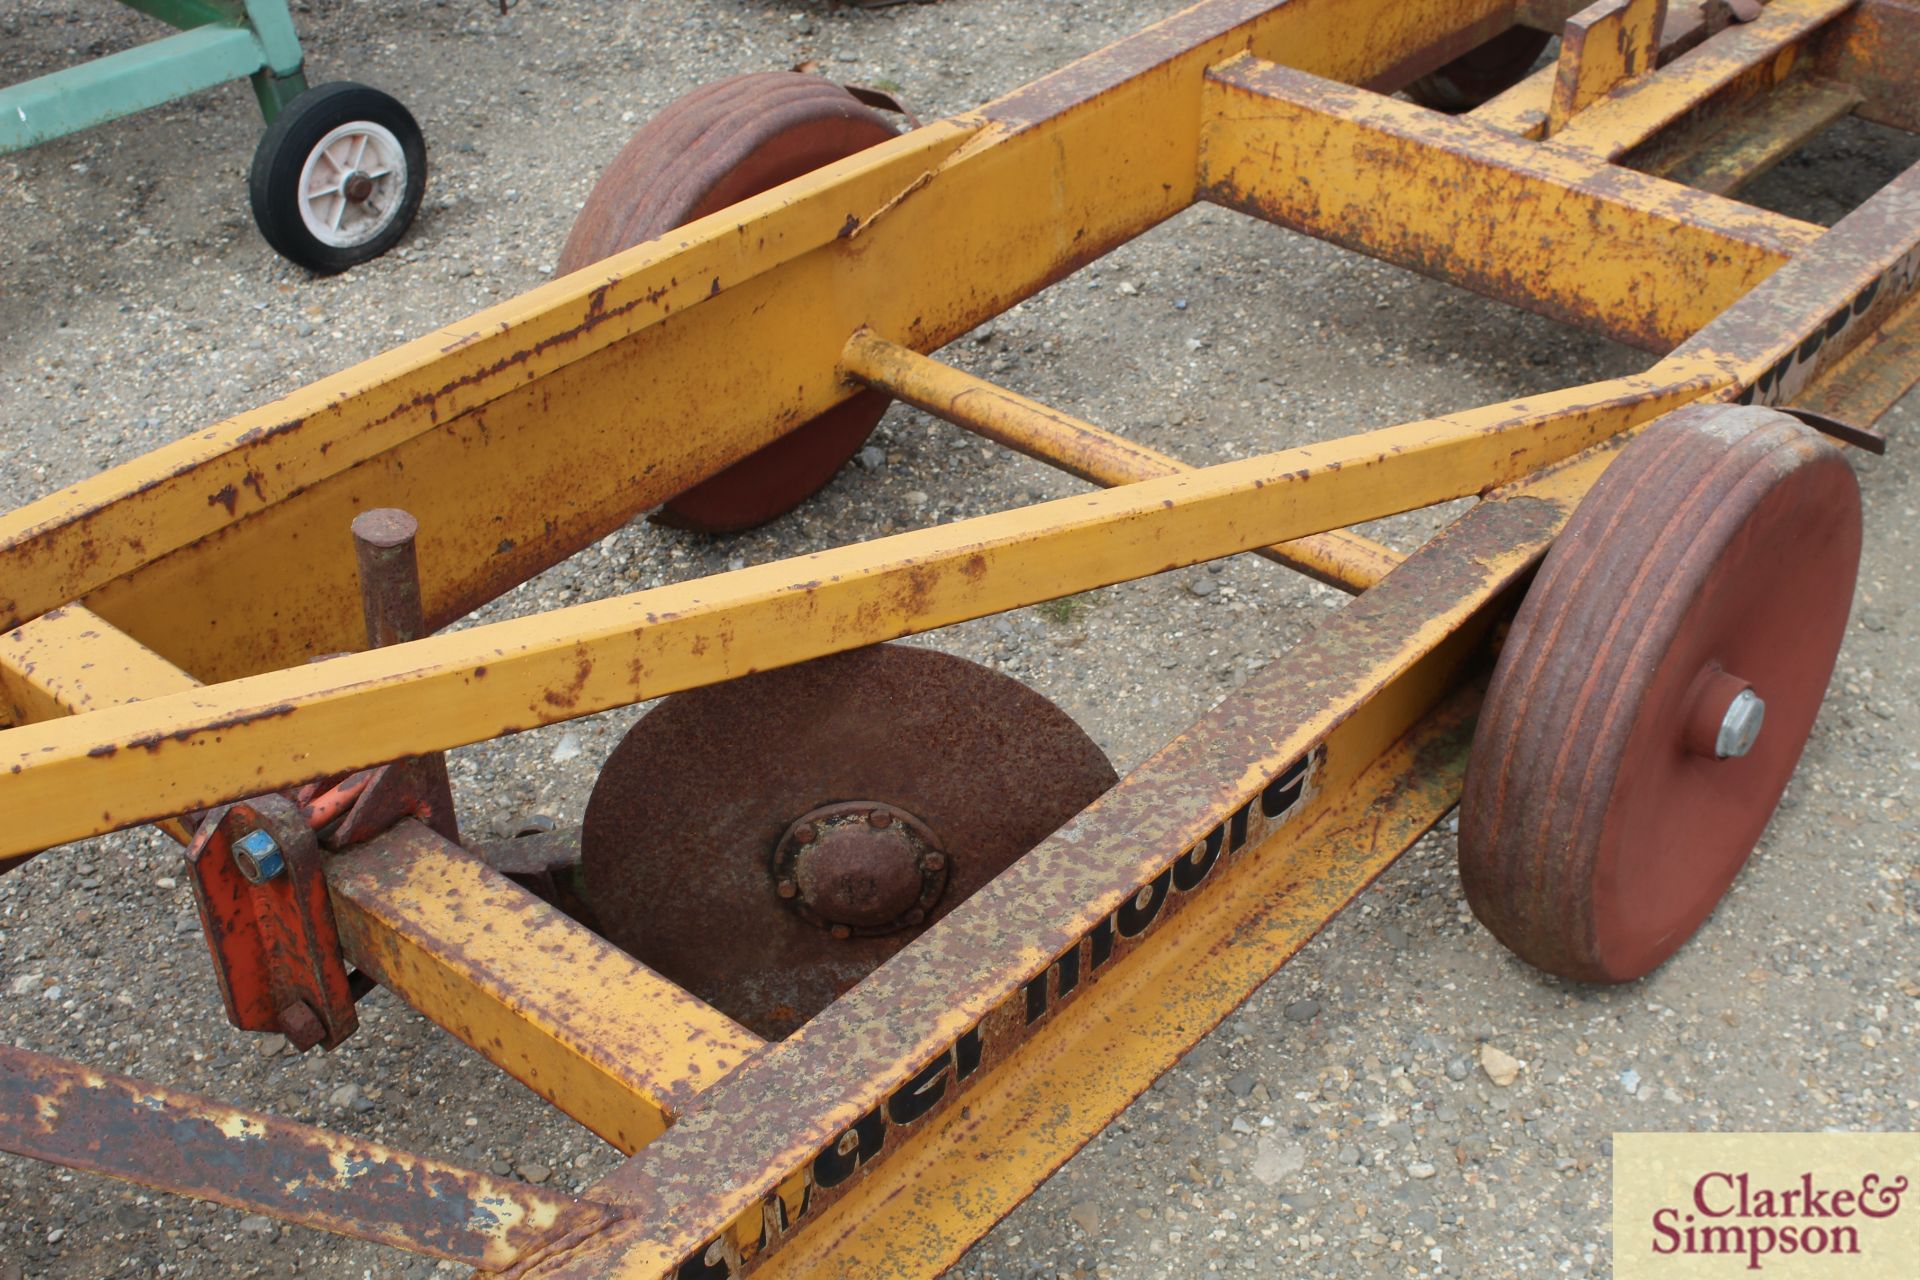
1481	74
1599	826
330	141
714	147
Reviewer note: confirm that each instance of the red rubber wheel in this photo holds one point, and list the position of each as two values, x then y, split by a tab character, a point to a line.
1481	74
714	147
1601	823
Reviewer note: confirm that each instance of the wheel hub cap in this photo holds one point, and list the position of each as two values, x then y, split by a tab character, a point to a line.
860	868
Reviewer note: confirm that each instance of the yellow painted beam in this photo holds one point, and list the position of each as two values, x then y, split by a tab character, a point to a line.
564	412
1602	48
1641	260
1338	558
581	1023
88	534
70	661
117	766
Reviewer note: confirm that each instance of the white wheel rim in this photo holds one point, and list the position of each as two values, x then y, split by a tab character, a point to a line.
353	184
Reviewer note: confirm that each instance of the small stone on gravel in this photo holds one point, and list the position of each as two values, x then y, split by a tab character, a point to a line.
1303	1011
1421	1170
1275	1160
1501	1067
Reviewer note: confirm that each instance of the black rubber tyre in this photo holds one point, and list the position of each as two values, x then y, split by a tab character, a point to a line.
1480	75
359	136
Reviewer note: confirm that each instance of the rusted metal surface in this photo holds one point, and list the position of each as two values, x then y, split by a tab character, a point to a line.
383	547
72	1115
605	1039
1752	143
390	603
712	148
1845	432
1658	122
274	944
1605	249
1603	48
684	823
916	1212
1873	374
860	867
1400	43
912	1039
1522	110
1793	337
531	853
1339	558
1876	49
1599	829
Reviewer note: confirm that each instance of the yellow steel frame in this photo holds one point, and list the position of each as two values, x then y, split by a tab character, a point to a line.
564	412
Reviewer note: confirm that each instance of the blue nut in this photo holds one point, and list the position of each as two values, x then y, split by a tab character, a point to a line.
258	856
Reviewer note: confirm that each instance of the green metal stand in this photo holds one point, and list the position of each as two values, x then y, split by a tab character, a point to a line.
218	41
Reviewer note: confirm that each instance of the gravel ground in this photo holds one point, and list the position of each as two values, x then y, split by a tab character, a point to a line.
1405	1099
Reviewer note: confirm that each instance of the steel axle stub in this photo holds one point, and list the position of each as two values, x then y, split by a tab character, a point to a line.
768	842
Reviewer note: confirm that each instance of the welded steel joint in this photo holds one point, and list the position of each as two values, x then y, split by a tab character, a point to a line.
860	868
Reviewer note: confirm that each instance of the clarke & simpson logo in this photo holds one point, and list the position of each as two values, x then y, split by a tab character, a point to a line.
1727	1215
1784	1204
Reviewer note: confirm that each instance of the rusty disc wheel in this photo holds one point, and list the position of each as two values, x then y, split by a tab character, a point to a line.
1482	74
768	842
1656	690
714	147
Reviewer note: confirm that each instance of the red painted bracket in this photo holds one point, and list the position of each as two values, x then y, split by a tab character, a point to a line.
275	948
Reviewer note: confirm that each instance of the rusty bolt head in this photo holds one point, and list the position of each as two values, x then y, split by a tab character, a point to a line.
258	856
803	835
880	818
842	932
787	888
935	861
